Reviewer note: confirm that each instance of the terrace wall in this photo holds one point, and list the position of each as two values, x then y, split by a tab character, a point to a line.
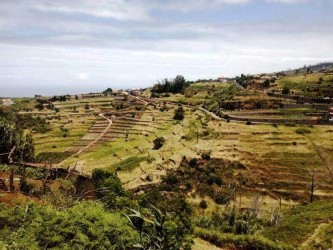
283	121
305	99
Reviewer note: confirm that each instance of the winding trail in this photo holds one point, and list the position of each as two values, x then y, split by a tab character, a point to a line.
210	113
102	134
93	142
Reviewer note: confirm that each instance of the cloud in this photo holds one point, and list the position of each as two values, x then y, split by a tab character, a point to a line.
117	9
82	76
48	47
288	1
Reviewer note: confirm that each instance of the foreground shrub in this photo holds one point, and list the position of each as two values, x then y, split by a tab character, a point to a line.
86	225
158	230
109	188
238	241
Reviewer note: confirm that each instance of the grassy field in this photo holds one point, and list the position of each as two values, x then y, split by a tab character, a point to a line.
279	159
276	161
317	84
306	227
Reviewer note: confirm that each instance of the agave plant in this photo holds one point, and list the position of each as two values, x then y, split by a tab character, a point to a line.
152	230
136	221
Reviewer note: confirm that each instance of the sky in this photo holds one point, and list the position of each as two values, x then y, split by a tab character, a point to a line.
54	47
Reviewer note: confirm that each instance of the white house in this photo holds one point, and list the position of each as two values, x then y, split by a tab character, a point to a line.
7	101
222	79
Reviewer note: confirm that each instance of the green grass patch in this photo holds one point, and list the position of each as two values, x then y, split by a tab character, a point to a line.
322	238
300	223
128	164
310	85
238	241
54	157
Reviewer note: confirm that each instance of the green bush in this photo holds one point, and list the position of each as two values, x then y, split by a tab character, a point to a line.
205	156
193	162
303	131
109	188
158	142
129	163
203	204
285	91
86	225
238	241
290	124
179	114
300	222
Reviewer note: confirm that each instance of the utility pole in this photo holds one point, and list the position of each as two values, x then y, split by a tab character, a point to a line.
313	183
11	174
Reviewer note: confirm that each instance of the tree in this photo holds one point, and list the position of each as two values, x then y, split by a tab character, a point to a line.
179	114
203	204
285	91
13	136
177	85
320	80
244	80
266	83
108	91
193	162
39	106
109	187
158	142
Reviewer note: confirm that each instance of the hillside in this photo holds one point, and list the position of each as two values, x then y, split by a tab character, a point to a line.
324	66
231	164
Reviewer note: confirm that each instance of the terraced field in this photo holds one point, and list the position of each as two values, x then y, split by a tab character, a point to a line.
63	134
93	102
316	84
279	161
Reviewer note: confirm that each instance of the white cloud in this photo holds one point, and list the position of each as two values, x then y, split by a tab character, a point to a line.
82	76
288	1
117	9
49	48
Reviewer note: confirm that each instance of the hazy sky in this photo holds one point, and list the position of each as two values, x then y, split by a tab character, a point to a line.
72	46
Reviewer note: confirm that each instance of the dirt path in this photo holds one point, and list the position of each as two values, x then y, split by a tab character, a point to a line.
93	142
102	134
211	114
140	99
313	236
